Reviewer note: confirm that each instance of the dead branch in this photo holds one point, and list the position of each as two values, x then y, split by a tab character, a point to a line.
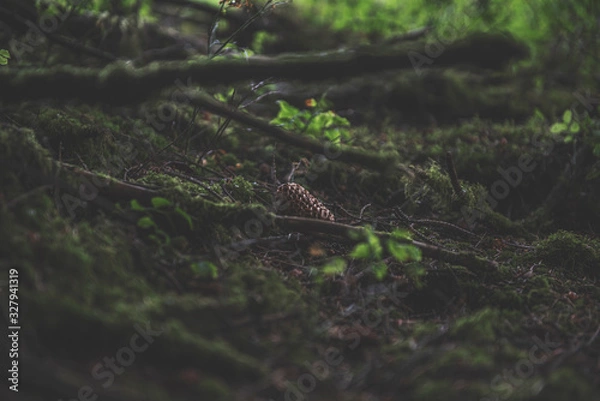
469	260
120	83
346	154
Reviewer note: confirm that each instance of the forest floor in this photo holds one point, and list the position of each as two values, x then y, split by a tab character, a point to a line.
138	211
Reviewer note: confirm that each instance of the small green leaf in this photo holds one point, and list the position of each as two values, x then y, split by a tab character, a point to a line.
401	234
361	251
135	205
574	128
538	115
568	139
146	222
205	269
185	216
334	266
567	116
380	270
404	252
333	135
375	244
286	110
158	202
557	128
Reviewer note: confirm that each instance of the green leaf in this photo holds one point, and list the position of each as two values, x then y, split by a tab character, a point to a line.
339	121
574	128
361	251
205	269
186	216
380	270
333	135
286	110
135	205
568	139
538	115
567	116
404	252
335	266
557	128
146	222
158	202
375	244
401	234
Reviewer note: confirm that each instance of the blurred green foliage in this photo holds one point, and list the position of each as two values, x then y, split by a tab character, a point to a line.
571	27
141	8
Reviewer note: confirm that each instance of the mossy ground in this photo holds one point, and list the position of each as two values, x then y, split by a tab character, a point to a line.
263	319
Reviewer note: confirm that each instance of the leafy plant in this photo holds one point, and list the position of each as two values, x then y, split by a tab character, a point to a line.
584	126
318	122
567	125
164	207
138	8
371	249
333	267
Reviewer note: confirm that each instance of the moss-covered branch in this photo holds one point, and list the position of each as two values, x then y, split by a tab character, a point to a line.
120	83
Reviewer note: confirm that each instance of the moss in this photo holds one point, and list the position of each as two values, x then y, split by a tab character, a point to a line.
473	357
566	383
479	327
506	298
240	189
25	162
570	253
428	390
180	347
213	389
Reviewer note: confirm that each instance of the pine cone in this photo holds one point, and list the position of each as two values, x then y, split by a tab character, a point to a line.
294	200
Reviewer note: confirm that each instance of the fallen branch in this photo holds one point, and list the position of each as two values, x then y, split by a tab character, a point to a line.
469	260
346	154
119	83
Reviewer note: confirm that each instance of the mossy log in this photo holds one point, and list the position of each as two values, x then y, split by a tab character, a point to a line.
121	83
